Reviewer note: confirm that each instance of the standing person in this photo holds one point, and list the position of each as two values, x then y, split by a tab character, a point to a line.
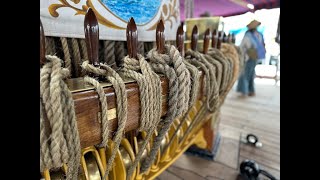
253	48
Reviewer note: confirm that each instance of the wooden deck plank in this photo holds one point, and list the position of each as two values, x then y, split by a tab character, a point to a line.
259	115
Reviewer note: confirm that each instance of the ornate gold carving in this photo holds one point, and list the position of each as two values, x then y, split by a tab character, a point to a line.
53	11
200	141
167	14
93	160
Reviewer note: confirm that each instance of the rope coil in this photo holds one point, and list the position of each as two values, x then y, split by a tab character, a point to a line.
60	142
122	106
211	86
150	99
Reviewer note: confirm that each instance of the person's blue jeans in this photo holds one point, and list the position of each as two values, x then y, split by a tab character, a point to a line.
246	79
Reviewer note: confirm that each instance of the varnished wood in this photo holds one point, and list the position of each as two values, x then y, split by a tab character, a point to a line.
132	38
224	37
194	38
214	39
229	38
206	40
91	31
208	135
180	40
87	109
42	45
160	38
233	38
220	36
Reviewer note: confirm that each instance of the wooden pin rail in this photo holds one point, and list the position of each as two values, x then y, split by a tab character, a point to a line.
87	107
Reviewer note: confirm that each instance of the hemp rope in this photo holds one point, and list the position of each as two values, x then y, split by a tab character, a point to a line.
71	127
218	69
159	63
172	58
83	47
194	72
231	53
183	75
119	49
227	64
59	143
109	53
45	156
76	57
195	78
122	109
241	57
101	52
148	46
50	46
59	109
141	48
150	99
215	87
207	81
67	57
211	86
104	107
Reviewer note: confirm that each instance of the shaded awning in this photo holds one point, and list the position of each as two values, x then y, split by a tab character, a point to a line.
227	7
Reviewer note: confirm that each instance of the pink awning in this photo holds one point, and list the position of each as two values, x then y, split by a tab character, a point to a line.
227	7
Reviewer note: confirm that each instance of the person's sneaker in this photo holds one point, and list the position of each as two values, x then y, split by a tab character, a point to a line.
252	94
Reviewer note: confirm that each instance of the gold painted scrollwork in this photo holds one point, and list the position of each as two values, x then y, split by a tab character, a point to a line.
93	160
168	12
54	7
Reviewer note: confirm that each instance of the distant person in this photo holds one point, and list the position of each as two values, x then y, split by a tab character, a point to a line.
253	48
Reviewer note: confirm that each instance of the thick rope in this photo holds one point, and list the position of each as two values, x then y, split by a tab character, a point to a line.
175	60
216	55
195	82
50	46
218	70
141	48
211	86
72	135
159	63
109	53
228	67
67	57
76	57
59	109
148	46
150	98
83	46
122	109
57	116
45	156
231	53
182	73
119	51
241	58
104	108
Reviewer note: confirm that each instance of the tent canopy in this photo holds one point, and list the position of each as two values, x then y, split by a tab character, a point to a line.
227	8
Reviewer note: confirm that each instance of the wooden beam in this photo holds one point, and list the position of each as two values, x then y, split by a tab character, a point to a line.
87	108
